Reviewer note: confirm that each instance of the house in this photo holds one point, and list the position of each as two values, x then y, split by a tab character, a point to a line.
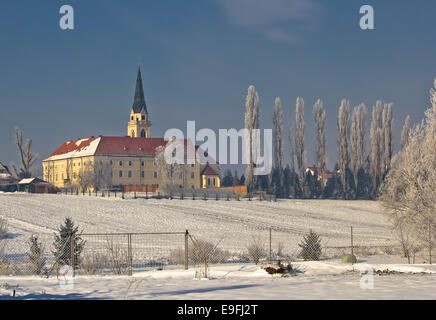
6	177
36	185
327	175
210	176
128	162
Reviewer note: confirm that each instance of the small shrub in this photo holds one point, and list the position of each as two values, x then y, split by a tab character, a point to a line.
349	258
310	247
256	251
93	263
3	229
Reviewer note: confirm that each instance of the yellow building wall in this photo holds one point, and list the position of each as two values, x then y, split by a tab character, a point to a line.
66	173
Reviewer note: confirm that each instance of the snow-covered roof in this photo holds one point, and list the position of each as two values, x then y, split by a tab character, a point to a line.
26	181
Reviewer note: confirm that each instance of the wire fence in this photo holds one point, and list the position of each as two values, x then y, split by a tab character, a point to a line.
129	253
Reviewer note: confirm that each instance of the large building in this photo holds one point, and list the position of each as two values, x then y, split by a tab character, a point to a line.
125	161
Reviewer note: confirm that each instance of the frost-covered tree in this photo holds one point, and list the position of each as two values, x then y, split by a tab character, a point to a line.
405	132
278	141
343	141
300	151
376	145
357	141
409	192
388	135
319	117
252	121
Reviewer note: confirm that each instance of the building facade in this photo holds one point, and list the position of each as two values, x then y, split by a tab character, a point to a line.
123	161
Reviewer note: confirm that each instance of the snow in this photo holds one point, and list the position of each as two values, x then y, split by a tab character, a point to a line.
319	281
234	223
83	152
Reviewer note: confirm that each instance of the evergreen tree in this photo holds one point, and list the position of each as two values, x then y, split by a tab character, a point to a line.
235	179
63	244
227	180
286	182
310	247
35	256
242	180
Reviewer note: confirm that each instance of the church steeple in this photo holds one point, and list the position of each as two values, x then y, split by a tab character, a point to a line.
139	100
139	126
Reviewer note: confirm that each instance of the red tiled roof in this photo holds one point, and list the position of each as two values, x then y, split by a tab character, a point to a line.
71	146
209	171
120	146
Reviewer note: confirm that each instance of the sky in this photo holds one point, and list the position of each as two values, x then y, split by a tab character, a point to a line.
198	59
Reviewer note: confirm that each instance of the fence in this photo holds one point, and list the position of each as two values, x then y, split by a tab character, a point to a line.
94	254
128	253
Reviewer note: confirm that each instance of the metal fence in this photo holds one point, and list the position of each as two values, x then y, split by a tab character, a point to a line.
128	253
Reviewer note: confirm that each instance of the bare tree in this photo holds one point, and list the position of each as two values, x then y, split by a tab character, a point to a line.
26	156
252	121
278	139
300	150
343	141
292	139
168	170
405	132
319	116
96	174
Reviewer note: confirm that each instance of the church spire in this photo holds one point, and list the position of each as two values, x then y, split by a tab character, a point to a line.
139	101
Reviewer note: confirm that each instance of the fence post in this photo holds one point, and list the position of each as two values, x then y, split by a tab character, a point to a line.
352	246
429	241
129	253
72	255
186	250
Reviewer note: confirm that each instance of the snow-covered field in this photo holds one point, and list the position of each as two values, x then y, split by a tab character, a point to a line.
316	280
234	223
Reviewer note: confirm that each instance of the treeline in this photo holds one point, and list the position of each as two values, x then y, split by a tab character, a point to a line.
363	160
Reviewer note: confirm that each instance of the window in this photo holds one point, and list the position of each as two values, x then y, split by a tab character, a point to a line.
129	174
142	163
131	118
111	162
143	134
192	165
121	174
208	181
180	176
130	163
121	163
192	175
155	175
213	181
142	174
143	117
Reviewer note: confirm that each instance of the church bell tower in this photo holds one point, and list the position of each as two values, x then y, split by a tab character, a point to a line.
139	125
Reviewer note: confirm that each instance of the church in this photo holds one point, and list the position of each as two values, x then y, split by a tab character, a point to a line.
129	161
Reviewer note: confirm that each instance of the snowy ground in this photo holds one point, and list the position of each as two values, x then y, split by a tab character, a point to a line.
315	280
234	223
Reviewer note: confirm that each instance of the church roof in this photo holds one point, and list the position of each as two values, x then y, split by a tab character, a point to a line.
139	100
209	171
109	146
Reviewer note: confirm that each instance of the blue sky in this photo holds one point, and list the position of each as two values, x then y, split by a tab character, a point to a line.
198	59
